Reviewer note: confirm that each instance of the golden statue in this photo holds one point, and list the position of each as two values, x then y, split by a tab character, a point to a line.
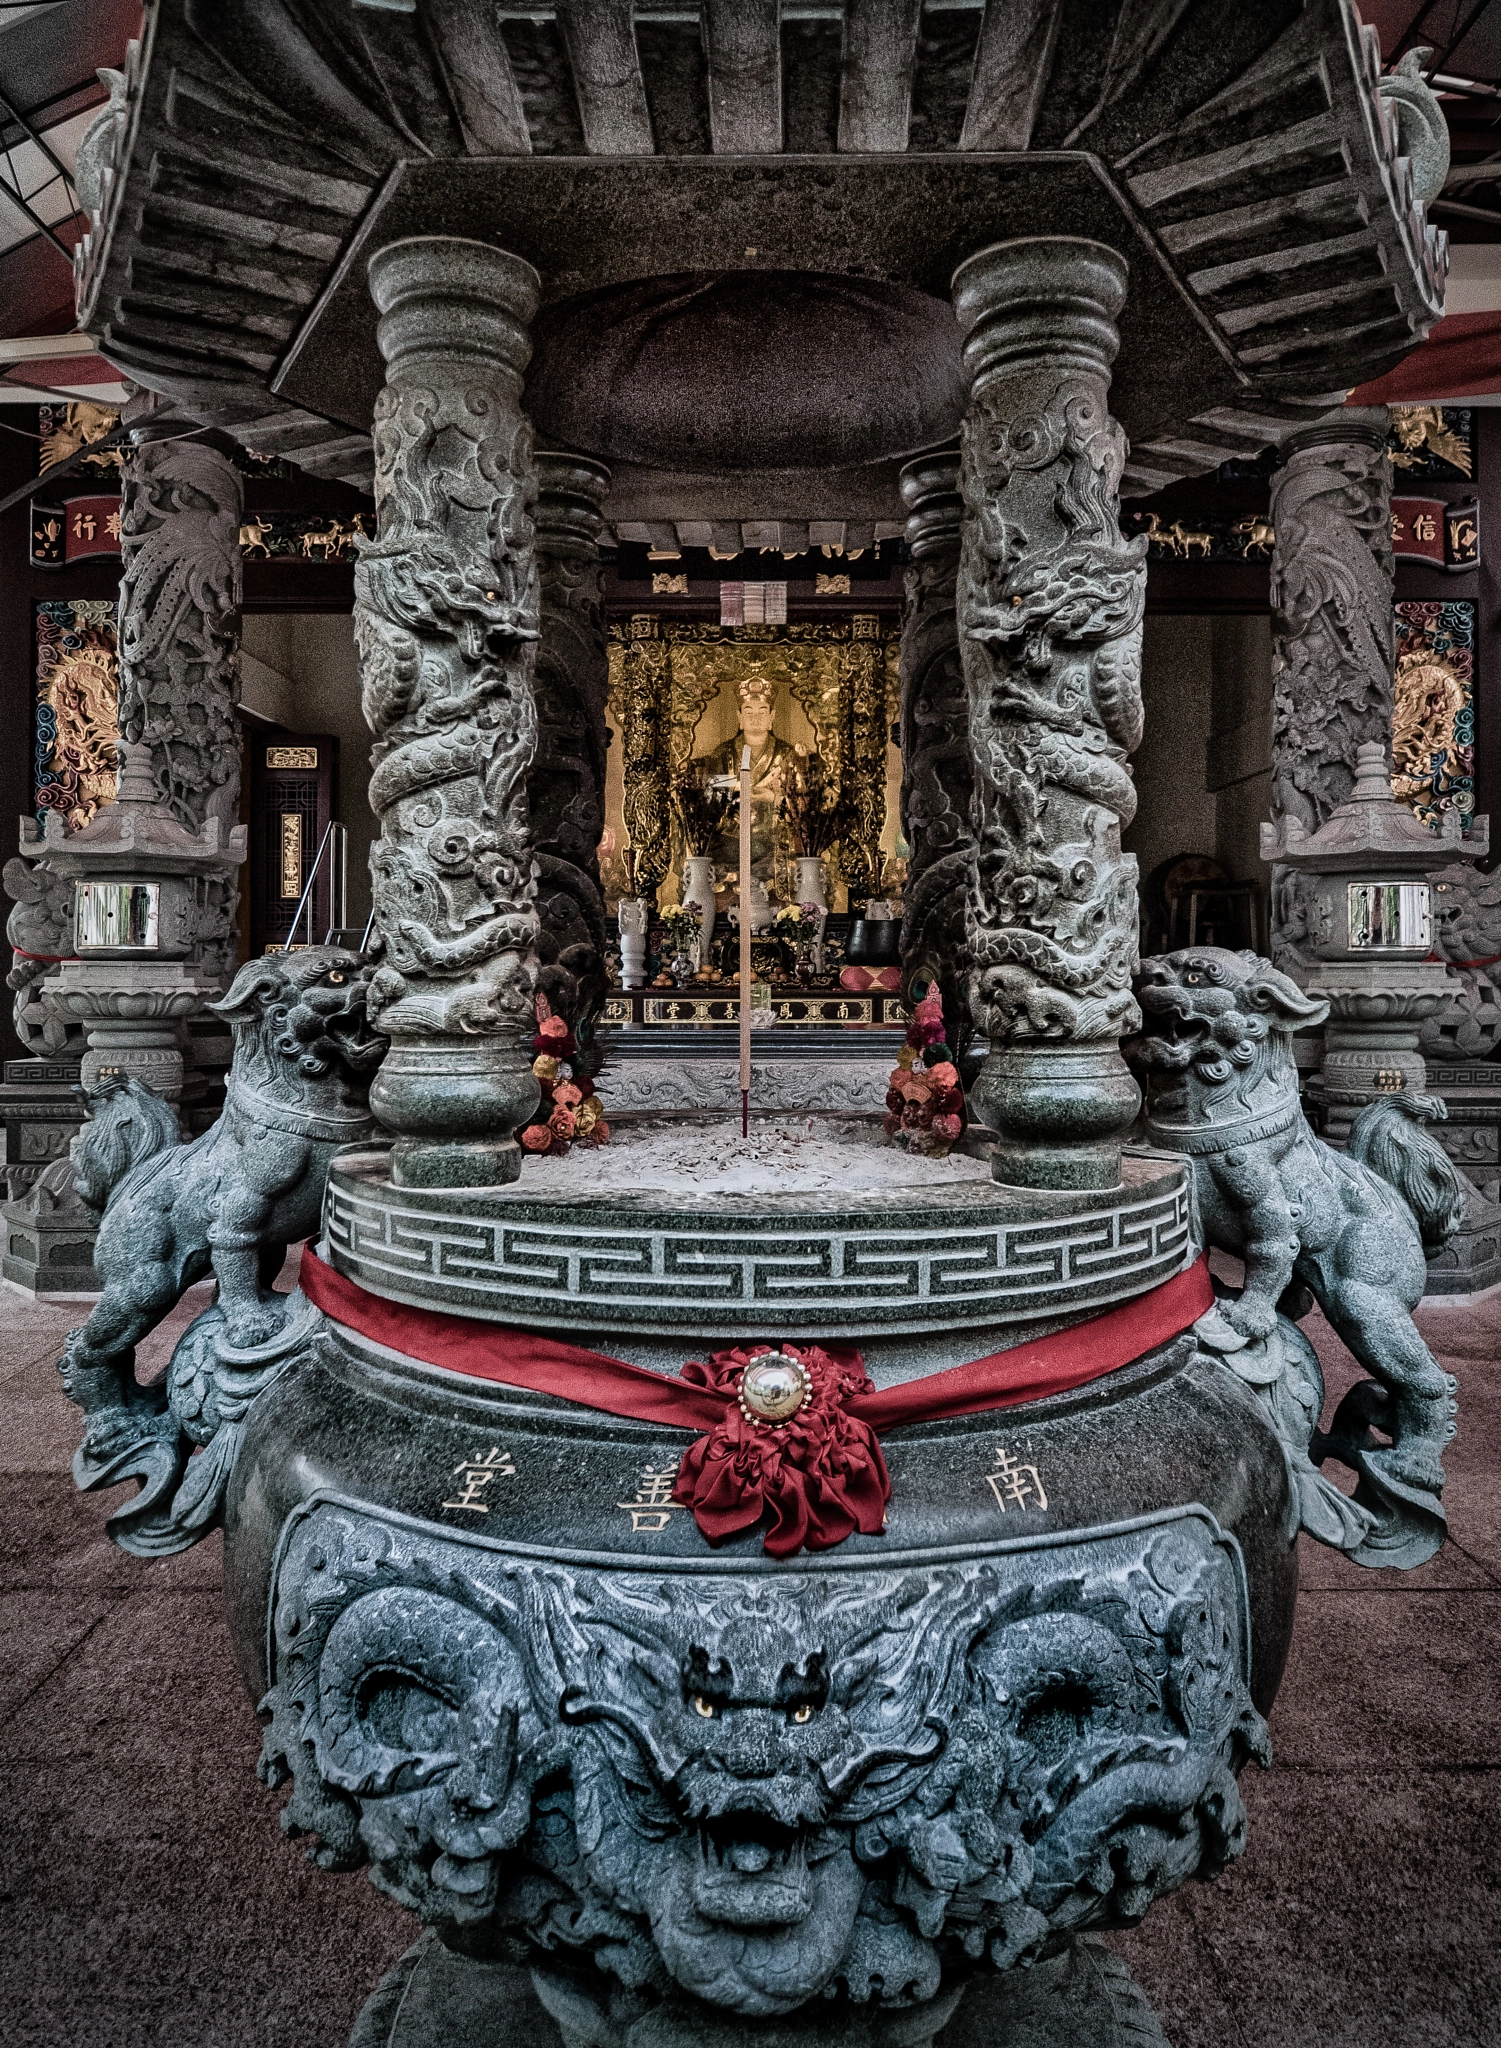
771	759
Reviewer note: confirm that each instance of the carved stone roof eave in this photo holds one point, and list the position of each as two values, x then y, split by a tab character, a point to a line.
1300	319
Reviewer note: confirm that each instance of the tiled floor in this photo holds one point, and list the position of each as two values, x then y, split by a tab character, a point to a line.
147	1899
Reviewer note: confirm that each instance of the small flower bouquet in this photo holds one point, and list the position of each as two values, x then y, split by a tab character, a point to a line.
924	1101
796	921
682	923
568	1114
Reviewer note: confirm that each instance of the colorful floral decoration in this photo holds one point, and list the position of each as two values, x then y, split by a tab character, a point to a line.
818	1477
924	1100
570	1113
1433	716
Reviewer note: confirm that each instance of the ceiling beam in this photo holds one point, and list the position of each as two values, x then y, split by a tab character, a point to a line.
743	45
875	80
477	70
1013	62
600	38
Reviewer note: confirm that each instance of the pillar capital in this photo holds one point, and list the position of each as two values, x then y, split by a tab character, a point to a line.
933	502
1042	303
1050	601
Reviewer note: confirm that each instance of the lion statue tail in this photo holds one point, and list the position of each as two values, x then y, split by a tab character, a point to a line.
1388	1137
128	1125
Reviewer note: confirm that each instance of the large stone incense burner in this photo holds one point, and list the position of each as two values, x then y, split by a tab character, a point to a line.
503	1666
795	1595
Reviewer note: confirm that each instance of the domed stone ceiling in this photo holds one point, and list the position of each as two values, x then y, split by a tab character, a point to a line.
739	370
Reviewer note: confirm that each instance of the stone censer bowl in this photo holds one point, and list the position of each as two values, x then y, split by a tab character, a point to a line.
682	1793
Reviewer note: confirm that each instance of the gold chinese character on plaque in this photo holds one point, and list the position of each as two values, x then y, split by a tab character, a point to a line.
653	1507
478	1471
1014	1484
1425	527
291	855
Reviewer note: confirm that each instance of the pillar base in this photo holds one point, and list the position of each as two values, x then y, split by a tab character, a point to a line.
487	1163
1059	1113
454	1106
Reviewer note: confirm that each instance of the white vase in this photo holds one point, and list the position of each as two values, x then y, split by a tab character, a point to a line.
810	884
698	889
633	916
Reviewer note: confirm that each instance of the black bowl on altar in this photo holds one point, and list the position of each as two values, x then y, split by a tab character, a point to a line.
874	942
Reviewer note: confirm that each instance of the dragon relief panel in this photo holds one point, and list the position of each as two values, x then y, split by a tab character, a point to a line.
763	1787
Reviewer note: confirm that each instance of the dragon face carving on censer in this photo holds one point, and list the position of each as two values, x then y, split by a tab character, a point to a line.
833	1782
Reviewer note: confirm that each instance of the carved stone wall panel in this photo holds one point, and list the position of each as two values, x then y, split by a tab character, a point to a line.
180	590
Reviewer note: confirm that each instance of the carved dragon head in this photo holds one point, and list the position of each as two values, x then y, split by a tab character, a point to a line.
1226	1022
299	1025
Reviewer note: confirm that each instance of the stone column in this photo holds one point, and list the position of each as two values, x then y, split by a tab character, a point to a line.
1333	634
566	784
180	591
937	770
1050	604
447	624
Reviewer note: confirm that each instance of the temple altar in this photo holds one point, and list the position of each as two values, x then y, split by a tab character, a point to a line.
816	701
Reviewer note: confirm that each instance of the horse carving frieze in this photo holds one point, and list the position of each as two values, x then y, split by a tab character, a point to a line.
1348	1228
763	1787
225	1205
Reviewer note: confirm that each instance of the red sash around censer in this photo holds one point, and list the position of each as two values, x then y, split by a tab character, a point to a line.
818	1473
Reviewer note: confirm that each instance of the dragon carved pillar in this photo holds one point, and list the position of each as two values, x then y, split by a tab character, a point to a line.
937	771
566	785
447	620
1049	610
1333	632
180	590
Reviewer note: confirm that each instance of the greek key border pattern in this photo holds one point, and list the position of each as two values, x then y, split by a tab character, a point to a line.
570	1271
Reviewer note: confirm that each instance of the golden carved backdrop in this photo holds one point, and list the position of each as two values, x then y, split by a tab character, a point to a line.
672	700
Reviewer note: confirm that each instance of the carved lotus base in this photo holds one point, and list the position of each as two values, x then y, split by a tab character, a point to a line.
718	1796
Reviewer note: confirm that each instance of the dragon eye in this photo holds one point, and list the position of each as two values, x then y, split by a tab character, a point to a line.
1193	980
703	1707
802	1714
336	978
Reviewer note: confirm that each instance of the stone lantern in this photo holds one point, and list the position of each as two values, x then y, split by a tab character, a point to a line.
1366	907
139	883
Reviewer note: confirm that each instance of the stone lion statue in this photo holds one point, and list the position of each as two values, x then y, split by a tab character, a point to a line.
228	1203
1350	1227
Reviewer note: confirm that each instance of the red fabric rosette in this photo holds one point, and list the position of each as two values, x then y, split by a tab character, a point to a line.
818	1477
